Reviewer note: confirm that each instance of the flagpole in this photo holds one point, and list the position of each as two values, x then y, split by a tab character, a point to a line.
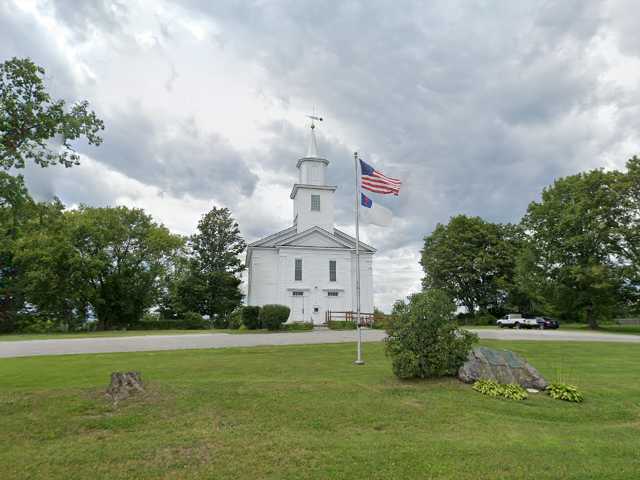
359	360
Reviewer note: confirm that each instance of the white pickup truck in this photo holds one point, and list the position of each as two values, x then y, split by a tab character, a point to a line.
515	320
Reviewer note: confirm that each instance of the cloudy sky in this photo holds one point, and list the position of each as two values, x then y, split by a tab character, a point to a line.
476	105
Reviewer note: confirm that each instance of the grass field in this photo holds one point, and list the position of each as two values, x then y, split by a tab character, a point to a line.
604	328
305	412
607	327
12	337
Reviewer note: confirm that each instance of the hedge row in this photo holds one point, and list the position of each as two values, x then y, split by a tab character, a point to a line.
271	317
189	321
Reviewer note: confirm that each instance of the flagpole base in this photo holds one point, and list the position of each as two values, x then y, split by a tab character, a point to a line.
358	362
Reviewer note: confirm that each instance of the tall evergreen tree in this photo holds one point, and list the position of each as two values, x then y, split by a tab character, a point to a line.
210	283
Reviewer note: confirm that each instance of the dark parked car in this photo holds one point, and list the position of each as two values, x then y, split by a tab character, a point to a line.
546	322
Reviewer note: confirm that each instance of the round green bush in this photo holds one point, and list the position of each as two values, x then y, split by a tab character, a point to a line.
273	316
251	317
423	340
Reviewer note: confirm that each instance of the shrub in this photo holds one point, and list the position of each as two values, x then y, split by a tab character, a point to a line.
273	316
235	319
485	319
566	392
193	321
423	341
251	317
380	321
187	321
405	365
494	389
341	325
298	326
36	323
220	321
150	317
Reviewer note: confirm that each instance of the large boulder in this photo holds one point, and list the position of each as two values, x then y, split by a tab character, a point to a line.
501	366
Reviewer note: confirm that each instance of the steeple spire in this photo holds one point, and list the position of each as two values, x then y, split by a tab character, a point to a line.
312	151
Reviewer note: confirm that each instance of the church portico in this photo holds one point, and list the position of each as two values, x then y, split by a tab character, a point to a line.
310	266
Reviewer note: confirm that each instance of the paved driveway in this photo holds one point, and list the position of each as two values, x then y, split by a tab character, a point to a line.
221	340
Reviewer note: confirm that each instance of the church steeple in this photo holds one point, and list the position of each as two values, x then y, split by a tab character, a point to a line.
312	167
312	197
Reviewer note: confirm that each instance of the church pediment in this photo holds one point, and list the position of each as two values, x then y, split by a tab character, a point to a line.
276	238
315	237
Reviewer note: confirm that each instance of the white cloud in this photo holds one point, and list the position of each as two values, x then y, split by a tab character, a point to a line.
476	106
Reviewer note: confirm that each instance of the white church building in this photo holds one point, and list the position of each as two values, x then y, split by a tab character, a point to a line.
310	266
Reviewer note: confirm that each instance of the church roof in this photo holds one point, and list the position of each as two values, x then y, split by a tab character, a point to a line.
312	237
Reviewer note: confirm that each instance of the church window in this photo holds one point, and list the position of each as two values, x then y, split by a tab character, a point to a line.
332	270
332	294
298	270
315	203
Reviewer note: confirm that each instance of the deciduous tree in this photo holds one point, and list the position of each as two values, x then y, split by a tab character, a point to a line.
33	126
473	261
16	208
110	259
571	264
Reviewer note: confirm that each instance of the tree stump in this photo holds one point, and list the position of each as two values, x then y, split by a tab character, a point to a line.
124	384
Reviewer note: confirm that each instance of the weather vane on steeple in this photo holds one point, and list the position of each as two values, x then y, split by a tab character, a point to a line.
312	151
314	119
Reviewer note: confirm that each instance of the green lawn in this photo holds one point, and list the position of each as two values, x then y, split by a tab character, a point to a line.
305	412
119	333
604	328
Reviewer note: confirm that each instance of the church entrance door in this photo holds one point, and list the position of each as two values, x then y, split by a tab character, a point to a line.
316	316
297	307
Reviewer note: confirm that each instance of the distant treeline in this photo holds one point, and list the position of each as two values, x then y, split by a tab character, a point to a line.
575	254
105	268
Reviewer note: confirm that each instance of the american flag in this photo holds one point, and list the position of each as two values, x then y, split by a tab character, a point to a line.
376	182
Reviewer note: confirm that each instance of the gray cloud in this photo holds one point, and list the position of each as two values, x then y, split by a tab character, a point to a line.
83	17
178	158
21	36
472	104
476	106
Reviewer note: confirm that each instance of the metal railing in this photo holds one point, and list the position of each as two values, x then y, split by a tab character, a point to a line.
366	319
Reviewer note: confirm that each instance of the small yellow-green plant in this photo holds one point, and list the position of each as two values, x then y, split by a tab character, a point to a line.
514	392
494	389
566	392
487	387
